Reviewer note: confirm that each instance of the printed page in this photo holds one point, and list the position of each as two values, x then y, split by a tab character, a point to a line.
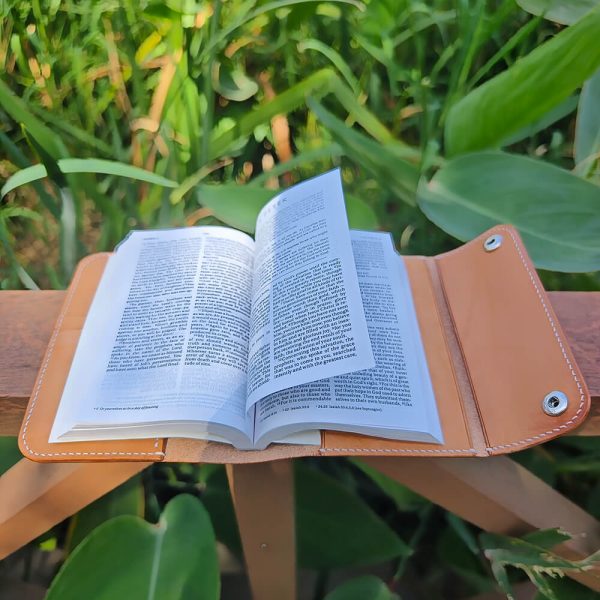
167	335
308	321
395	399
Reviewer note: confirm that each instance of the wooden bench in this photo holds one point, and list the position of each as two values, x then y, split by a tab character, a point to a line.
494	493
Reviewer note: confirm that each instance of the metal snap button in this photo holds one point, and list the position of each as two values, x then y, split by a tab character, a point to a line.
493	242
555	403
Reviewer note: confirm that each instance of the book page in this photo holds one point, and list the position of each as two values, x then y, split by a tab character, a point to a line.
166	338
308	320
395	399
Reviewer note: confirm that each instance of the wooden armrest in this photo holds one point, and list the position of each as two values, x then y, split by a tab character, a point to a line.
27	319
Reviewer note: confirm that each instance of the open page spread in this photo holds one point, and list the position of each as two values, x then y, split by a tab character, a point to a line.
394	399
180	314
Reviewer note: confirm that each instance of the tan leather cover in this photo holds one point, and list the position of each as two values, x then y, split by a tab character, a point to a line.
493	344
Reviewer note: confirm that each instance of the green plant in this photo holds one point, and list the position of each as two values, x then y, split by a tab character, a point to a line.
446	117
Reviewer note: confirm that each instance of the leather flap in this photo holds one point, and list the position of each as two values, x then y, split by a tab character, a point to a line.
512	344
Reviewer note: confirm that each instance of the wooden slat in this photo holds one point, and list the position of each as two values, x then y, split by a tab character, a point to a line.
37	496
27	318
26	322
579	316
263	497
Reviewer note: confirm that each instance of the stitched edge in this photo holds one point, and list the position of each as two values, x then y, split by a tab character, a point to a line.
402	450
561	345
51	345
525	441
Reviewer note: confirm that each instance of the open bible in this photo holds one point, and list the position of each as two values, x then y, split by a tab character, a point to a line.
207	333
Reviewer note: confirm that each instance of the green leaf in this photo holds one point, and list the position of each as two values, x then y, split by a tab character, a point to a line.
9	453
127	557
367	587
527	90
587	130
335	58
13	261
463	531
568	589
387	162
49	162
20	211
16	156
85	165
336	528
559	11
68	233
325	152
404	498
523	554
44	136
236	205
217	499
239	205
455	555
360	214
247	16
499	572
552	116
57	121
111	167
534	559
556	212
127	499
232	83
547	538
23	177
327	535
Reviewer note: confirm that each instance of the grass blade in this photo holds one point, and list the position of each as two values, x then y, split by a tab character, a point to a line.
85	165
44	136
587	130
529	89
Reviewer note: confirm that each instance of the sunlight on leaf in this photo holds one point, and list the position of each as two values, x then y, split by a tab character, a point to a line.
85	165
587	130
555	211
172	560
527	90
367	587
565	12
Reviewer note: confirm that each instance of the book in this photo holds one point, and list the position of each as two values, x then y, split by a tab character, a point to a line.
207	333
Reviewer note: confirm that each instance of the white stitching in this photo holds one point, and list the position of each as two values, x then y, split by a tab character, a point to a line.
528	440
579	412
42	374
401	450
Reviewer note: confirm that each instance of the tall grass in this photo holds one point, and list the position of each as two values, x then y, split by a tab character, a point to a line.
204	93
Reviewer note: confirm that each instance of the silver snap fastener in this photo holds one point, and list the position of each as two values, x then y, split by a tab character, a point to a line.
555	403
493	242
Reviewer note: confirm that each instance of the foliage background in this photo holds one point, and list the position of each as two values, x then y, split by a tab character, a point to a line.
224	103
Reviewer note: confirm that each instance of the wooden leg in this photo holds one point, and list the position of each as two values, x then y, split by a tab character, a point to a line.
500	496
36	496
263	496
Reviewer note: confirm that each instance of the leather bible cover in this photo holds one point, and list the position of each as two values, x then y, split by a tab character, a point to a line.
494	348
